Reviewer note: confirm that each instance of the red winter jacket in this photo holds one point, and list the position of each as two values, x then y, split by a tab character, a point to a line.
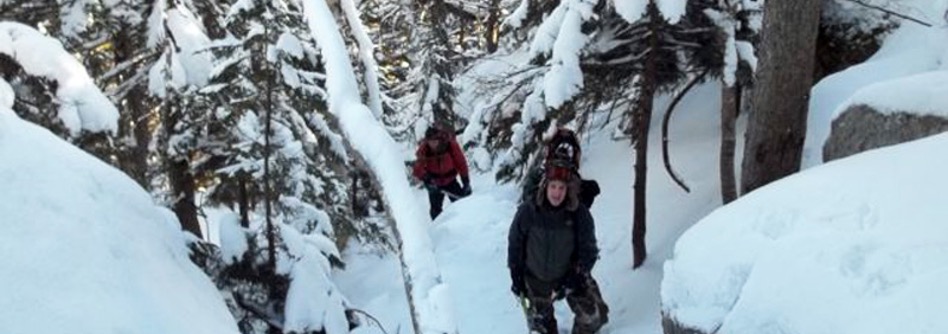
443	166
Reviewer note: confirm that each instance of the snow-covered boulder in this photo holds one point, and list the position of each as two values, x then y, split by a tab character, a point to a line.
854	246
862	127
906	75
84	250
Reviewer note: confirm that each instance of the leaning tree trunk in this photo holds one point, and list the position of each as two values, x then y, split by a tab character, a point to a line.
777	123
642	119
730	102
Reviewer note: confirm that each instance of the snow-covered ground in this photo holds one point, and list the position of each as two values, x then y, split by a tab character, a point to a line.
470	236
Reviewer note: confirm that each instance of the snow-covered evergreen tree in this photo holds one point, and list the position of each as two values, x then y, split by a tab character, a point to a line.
275	158
52	88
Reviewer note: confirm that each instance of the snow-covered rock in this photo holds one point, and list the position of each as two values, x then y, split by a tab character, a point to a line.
84	250
857	245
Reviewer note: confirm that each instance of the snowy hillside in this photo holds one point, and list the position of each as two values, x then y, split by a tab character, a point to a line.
84	248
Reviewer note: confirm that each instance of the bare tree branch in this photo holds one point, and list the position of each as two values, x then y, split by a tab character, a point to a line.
377	322
666	121
890	12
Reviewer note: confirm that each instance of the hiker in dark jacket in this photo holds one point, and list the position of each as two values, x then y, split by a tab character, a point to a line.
438	163
551	252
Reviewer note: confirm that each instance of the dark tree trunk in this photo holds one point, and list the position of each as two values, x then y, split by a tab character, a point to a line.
134	118
243	202
777	123
182	185
492	26
180	177
641	122
135	159
730	102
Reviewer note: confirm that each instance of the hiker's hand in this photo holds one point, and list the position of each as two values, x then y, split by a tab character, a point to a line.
428	181
518	286
576	279
466	188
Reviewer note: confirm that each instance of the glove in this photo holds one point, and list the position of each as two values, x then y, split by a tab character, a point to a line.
518	285
575	279
428	181
466	188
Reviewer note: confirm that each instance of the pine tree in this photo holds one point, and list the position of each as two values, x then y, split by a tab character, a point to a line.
270	148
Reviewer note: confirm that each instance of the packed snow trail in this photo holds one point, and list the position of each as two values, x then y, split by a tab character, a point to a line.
470	236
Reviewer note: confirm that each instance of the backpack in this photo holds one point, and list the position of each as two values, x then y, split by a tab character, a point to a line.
563	146
562	152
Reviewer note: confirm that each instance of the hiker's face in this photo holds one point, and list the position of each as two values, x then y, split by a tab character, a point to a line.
556	192
433	144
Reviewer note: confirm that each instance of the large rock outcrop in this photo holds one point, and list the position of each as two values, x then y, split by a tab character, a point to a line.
861	128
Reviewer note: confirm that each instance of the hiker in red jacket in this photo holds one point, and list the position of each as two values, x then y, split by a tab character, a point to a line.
439	161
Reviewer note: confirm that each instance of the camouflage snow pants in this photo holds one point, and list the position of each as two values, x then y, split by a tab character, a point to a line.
585	300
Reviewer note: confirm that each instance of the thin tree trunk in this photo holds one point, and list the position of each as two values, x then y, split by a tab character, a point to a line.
133	160
492	27
779	101
180	177
243	202
729	108
641	121
461	36
182	184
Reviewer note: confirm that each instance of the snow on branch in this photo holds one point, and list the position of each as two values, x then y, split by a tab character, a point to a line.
82	106
633	10
515	19
565	78
366	54
383	155
6	95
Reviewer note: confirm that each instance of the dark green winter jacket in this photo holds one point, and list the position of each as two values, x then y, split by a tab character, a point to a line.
547	242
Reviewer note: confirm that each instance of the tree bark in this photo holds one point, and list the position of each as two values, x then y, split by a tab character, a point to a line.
133	121
243	202
641	121
492	26
729	107
180	177
182	185
136	157
777	123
